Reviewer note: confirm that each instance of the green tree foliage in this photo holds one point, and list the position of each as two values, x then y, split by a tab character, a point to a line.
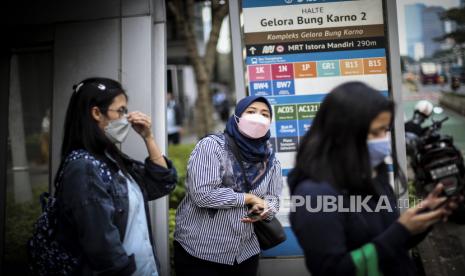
185	23
456	15
179	154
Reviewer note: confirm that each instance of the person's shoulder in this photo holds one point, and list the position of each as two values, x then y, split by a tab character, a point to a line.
82	163
212	141
79	159
81	171
79	165
217	137
314	188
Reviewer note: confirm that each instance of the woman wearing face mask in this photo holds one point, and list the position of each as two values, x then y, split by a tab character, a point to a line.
212	235
343	157
102	193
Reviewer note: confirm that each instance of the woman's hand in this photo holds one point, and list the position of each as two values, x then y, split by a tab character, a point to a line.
430	211
258	206
141	123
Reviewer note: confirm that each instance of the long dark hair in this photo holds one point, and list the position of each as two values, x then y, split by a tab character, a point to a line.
81	131
335	150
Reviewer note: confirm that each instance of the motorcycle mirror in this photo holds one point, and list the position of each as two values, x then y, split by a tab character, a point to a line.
438	110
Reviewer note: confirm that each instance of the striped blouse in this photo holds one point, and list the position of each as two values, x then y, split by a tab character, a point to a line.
208	224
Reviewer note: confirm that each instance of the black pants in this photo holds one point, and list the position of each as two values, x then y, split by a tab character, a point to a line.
185	264
174	138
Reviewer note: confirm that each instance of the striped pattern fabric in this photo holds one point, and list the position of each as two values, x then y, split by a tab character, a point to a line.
208	222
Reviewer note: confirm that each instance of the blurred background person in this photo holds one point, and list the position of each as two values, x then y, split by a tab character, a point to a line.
174	118
221	104
45	137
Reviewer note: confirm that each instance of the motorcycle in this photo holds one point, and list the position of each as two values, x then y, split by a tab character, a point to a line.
455	83
433	156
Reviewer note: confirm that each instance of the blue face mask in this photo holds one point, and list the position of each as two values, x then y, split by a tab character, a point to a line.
378	150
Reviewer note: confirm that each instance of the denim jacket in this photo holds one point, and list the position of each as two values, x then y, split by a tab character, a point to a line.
93	210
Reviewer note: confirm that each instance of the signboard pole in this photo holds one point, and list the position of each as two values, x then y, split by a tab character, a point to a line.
396	89
238	59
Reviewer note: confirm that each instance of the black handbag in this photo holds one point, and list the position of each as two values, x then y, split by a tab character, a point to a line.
269	233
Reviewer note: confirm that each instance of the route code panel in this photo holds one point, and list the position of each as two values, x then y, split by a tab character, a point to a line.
279	79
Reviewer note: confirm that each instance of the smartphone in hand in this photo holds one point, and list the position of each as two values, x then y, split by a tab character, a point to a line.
253	215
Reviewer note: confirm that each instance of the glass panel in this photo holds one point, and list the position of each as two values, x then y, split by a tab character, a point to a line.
28	152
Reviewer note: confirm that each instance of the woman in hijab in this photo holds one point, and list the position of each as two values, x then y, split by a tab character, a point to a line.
230	175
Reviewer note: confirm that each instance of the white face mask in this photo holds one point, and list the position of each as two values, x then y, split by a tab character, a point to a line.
117	130
253	125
